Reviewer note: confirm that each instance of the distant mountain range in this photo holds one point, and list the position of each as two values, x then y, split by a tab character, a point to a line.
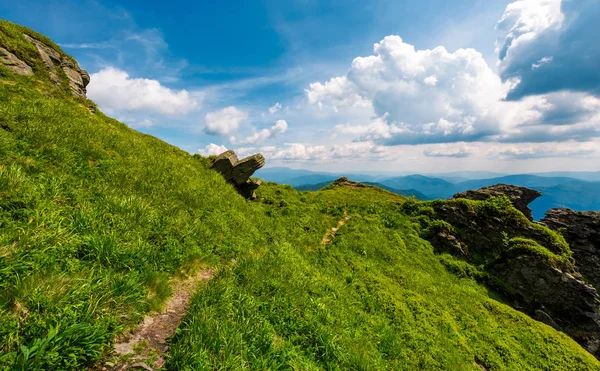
575	190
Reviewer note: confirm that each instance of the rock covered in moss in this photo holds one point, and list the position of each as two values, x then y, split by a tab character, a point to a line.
238	172
519	196
565	300
530	264
581	229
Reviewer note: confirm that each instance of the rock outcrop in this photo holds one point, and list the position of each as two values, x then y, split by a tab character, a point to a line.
582	232
238	172
13	63
78	78
519	196
525	261
556	297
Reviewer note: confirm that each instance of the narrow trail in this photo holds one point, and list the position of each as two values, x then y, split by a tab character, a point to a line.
330	234
144	349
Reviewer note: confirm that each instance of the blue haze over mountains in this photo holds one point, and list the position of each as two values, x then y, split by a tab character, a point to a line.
575	190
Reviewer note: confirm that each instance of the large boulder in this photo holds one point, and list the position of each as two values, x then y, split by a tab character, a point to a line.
238	172
581	229
519	196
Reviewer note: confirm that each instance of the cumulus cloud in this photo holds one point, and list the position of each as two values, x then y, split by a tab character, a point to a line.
546	46
212	150
417	96
436	96
224	121
280	127
276	107
114	90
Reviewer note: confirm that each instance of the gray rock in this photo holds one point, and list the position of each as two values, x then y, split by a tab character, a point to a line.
238	172
582	232
78	78
519	196
569	303
13	63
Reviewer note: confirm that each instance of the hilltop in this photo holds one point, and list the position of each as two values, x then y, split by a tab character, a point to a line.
99	222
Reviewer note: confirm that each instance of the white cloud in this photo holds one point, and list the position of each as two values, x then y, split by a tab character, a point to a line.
212	150
318	153
113	90
224	121
280	127
417	95
430	80
275	108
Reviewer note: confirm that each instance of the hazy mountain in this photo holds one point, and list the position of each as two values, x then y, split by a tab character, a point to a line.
430	187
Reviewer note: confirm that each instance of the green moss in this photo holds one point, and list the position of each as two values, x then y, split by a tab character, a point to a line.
520	245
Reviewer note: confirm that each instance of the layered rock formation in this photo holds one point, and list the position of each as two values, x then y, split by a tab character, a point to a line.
519	196
525	261
55	63
238	172
78	78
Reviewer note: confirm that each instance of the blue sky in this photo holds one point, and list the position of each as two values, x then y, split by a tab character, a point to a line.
430	85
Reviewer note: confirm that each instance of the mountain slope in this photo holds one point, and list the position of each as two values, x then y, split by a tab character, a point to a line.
95	219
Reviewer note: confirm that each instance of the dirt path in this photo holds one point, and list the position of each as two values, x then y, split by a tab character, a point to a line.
144	349
330	234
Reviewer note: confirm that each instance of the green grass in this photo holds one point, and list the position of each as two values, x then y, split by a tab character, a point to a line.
95	219
377	298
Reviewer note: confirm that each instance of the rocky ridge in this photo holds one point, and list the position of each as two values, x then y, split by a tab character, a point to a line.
55	64
533	267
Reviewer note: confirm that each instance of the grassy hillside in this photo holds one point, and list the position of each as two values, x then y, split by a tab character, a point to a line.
95	218
407	193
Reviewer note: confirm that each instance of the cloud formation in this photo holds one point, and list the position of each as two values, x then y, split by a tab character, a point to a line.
546	46
262	136
436	96
212	150
276	107
225	121
418	96
113	90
